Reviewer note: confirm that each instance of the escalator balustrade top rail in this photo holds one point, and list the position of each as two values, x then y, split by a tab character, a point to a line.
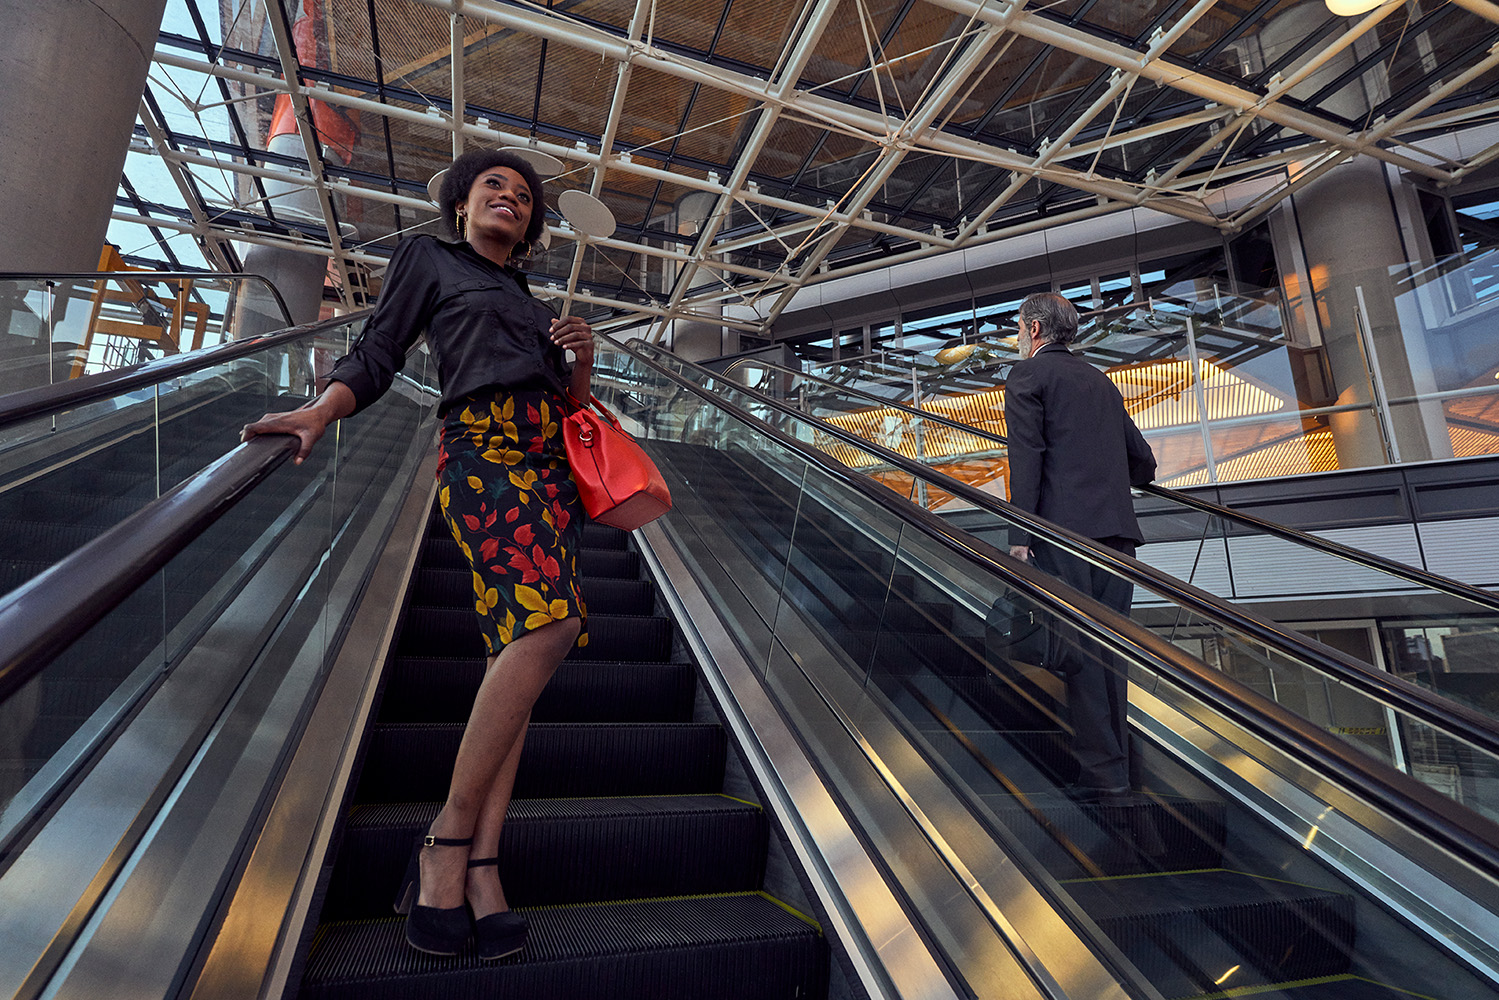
46	400
1465	834
154	276
1471	725
42	617
1370	560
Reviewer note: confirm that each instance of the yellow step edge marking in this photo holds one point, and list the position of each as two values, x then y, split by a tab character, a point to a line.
790	909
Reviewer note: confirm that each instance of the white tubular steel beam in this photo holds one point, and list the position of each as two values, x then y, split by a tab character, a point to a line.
1122	57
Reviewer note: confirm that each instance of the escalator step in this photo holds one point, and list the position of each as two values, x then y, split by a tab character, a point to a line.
1149	835
1184	930
605	595
1337	988
595	535
730	947
434	689
444	553
557	851
455	632
412	762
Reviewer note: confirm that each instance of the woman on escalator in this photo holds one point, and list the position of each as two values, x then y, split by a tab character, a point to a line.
506	492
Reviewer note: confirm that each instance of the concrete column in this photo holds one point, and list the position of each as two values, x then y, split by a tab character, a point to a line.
1351	238
71	77
698	340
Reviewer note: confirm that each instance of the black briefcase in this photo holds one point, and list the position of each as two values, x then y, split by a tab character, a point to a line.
1016	630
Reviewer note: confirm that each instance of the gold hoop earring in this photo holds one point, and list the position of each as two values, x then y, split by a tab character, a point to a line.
460	225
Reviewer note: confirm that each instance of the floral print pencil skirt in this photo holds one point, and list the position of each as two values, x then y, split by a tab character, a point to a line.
509	498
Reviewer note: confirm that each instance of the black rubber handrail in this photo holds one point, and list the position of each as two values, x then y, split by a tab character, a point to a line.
45	615
45	400
1468	724
154	276
1464	833
1370	560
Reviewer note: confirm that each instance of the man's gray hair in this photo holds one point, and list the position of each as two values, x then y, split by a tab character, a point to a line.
1058	316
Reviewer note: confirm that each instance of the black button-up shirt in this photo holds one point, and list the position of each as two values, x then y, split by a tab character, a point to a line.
483	326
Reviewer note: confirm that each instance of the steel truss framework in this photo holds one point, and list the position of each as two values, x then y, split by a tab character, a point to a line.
819	137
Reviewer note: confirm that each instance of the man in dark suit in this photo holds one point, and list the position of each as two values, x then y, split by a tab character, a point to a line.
1074	453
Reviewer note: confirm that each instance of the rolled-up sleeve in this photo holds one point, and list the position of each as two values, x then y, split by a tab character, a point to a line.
407	299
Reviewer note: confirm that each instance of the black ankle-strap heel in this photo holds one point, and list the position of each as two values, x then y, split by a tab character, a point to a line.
499	934
436	930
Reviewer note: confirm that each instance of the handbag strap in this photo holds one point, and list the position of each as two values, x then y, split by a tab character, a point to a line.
598	405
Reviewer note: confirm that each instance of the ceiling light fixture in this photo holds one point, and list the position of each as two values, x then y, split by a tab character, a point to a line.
1350	8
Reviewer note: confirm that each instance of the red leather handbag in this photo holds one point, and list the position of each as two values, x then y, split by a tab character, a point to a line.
617	480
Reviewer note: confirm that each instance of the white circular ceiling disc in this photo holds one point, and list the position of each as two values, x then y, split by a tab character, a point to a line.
434	186
586	214
544	164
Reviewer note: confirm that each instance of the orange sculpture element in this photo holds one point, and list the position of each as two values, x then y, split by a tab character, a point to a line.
161	316
336	129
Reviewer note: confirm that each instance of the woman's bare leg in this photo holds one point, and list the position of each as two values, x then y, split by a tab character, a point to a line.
485	894
490	750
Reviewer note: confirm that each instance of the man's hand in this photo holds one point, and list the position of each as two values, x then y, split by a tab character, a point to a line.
1021	552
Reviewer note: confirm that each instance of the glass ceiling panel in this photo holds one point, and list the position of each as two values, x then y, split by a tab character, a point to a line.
756	32
923	40
715	125
616	15
500	70
413	42
1011	63
842	54
655	105
1047	92
1231	22
791	139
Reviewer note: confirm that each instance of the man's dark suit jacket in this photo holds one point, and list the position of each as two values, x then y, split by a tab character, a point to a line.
1074	451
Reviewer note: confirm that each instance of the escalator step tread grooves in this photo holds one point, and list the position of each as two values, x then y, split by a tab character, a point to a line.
729	946
1278	931
453	632
437	689
570	850
410	762
595	536
606	595
639	876
1187	834
444	553
1338	988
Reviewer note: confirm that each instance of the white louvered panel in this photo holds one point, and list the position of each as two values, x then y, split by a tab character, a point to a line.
1265	566
1464	550
1178	558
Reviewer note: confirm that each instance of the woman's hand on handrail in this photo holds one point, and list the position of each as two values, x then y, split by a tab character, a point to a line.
308	423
